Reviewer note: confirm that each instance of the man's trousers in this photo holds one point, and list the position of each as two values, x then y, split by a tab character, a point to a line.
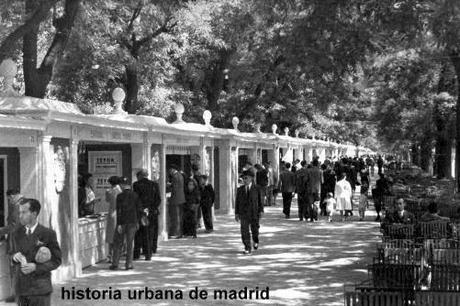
147	239
287	199
247	223
302	206
35	300
128	232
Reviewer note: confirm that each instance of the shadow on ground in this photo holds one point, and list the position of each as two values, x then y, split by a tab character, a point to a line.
301	264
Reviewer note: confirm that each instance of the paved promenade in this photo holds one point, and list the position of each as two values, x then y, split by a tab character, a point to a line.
301	264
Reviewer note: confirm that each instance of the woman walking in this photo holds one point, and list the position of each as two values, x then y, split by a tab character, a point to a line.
111	198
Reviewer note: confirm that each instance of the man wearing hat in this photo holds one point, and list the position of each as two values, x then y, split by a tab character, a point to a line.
248	210
128	214
149	196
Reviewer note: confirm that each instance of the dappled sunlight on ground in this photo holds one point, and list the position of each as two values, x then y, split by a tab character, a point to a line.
301	263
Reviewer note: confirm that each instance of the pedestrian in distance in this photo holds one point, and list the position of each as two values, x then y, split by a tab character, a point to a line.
176	201
363	201
248	211
343	195
330	205
208	197
287	186
191	207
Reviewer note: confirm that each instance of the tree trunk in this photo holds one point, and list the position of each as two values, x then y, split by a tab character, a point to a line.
36	16
132	87
33	82
36	80
216	79
426	160
455	58
414	155
443	157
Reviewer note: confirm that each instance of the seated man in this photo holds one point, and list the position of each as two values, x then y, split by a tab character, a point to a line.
401	215
432	214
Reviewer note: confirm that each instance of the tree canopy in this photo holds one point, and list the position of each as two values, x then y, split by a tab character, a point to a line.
380	73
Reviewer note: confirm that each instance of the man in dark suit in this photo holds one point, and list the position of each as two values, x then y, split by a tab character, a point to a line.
401	215
287	187
301	190
149	195
314	179
33	285
176	202
248	210
128	215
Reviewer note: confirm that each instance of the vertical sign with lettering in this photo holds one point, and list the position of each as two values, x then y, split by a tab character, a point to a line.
102	165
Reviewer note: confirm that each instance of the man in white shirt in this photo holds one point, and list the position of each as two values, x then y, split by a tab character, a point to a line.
33	273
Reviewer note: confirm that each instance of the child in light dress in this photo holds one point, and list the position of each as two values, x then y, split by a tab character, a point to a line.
330	205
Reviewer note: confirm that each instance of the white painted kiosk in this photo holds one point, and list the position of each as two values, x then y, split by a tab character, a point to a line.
45	144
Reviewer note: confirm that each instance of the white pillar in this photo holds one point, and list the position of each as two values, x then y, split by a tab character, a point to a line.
309	155
45	182
300	153
163	226
225	178
253	156
211	178
203	155
147	155
274	158
73	197
322	153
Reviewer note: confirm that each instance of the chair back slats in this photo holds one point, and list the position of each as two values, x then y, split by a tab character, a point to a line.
445	256
399	231
445	277
436	298
390	255
441	244
437	229
374	298
397	243
405	276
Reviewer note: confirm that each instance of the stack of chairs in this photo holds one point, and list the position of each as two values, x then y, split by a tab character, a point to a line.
434	230
416	264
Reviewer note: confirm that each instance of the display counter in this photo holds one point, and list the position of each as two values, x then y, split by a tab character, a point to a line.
91	232
4	272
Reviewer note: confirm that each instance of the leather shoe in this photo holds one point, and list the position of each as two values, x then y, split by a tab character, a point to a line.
113	268
129	268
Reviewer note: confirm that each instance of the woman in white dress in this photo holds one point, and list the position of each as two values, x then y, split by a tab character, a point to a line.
343	194
111	198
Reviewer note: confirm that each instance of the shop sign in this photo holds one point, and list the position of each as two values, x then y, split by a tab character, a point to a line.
102	165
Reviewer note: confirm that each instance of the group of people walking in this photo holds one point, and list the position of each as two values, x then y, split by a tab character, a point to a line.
323	189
